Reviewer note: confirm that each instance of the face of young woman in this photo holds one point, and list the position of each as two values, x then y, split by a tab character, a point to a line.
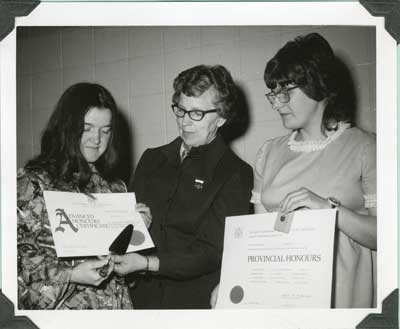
96	133
300	112
196	133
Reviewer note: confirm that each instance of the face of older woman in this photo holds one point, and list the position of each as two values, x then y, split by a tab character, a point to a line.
96	133
300	111
196	133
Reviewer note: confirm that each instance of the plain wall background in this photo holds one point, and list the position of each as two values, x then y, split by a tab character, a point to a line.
138	65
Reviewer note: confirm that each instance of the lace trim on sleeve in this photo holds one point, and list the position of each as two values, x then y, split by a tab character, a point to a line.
370	201
255	197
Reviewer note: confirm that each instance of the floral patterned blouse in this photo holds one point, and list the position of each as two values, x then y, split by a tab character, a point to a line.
43	279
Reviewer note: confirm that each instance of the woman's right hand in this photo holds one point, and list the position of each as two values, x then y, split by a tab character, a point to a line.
88	272
303	198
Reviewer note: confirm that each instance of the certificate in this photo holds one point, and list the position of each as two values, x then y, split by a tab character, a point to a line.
86	226
264	268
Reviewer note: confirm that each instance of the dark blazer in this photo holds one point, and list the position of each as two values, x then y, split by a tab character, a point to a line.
189	202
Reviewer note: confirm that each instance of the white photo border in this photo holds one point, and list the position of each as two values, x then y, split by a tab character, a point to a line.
195	14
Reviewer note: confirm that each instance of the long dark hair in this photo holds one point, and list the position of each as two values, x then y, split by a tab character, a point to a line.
309	62
60	153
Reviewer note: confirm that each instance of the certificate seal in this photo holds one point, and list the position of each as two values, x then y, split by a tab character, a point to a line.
137	238
236	294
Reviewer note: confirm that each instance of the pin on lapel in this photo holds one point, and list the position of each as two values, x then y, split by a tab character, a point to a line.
198	184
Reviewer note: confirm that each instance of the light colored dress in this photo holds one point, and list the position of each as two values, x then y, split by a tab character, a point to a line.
343	166
43	279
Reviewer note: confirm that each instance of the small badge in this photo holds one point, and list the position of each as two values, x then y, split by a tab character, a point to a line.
198	184
283	221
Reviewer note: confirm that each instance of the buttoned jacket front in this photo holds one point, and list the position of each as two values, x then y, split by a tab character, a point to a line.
189	201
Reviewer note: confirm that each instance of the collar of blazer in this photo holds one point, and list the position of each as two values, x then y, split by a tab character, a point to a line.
209	154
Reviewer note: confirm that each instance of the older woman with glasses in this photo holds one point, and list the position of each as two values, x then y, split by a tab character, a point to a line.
324	162
190	185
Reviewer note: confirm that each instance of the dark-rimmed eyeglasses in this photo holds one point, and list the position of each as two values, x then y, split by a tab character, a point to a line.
282	95
196	115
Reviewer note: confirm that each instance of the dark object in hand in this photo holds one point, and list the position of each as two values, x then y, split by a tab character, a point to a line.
118	247
121	242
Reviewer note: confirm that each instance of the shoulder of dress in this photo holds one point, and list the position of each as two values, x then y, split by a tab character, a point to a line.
30	182
359	137
280	141
32	174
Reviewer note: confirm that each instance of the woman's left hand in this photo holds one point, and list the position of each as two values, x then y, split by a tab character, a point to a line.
144	211
129	263
303	198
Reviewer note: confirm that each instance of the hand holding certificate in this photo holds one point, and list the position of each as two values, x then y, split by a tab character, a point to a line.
264	268
86	226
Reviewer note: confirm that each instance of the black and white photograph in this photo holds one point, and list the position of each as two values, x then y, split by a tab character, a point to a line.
187	124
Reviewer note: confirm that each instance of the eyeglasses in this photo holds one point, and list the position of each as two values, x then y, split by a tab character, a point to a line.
283	95
196	115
